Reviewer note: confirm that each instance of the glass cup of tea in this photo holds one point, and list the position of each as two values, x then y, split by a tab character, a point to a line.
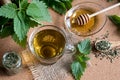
48	43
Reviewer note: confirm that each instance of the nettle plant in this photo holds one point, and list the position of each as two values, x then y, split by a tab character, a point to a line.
18	16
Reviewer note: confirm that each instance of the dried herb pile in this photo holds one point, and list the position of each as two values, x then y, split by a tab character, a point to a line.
111	54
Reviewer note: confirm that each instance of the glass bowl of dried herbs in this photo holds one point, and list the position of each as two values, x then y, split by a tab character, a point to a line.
94	25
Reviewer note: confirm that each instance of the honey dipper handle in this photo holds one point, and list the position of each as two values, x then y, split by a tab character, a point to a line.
104	10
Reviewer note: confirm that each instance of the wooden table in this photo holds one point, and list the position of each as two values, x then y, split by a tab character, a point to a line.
100	69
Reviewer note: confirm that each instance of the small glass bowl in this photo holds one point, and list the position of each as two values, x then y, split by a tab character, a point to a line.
92	7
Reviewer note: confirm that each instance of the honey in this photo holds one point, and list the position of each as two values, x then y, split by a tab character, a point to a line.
82	29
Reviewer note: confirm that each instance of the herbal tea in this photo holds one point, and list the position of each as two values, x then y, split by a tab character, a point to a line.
48	43
82	29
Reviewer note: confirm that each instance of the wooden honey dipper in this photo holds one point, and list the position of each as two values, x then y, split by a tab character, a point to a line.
84	18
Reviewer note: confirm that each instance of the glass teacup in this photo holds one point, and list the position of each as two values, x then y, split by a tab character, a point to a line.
48	43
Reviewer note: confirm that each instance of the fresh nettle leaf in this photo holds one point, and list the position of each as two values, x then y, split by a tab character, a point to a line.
23	4
22	43
77	70
84	46
60	6
31	23
82	58
115	19
20	26
38	11
67	3
8	10
79	64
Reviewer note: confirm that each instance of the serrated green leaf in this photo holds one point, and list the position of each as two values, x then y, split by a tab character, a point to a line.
84	65
85	58
38	11
20	26
59	7
8	10
79	65
84	46
79	58
82	58
68	0
67	4
23	4
77	70
115	19
21	43
30	22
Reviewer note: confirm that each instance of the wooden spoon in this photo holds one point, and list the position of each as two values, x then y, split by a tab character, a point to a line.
84	18
104	45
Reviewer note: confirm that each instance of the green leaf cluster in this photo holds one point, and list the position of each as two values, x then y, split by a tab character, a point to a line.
115	19
79	64
60	6
17	18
